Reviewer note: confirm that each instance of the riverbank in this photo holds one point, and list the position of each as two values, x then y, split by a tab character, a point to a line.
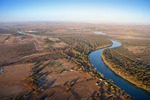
124	75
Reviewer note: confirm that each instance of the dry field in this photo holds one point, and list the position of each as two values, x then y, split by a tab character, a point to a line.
55	63
3	37
11	80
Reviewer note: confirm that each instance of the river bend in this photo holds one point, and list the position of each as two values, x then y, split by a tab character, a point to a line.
97	62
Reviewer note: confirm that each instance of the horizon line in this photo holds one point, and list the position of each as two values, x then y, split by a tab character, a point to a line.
90	22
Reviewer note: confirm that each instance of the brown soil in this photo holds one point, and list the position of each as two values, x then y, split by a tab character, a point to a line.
59	45
9	52
11	80
136	49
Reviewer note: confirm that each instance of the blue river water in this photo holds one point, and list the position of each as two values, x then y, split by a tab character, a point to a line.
131	89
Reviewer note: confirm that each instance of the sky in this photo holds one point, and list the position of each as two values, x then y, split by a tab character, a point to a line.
98	11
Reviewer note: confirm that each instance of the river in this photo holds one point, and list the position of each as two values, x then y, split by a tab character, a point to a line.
97	62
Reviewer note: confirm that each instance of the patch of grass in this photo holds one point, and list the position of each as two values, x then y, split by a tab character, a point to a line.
59	69
54	63
48	41
57	66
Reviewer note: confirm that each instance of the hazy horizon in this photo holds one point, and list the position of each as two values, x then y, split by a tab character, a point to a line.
92	11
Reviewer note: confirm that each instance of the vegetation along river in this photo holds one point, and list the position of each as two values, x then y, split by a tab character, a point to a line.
97	62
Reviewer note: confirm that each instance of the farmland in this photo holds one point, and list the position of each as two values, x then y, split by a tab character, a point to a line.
56	64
